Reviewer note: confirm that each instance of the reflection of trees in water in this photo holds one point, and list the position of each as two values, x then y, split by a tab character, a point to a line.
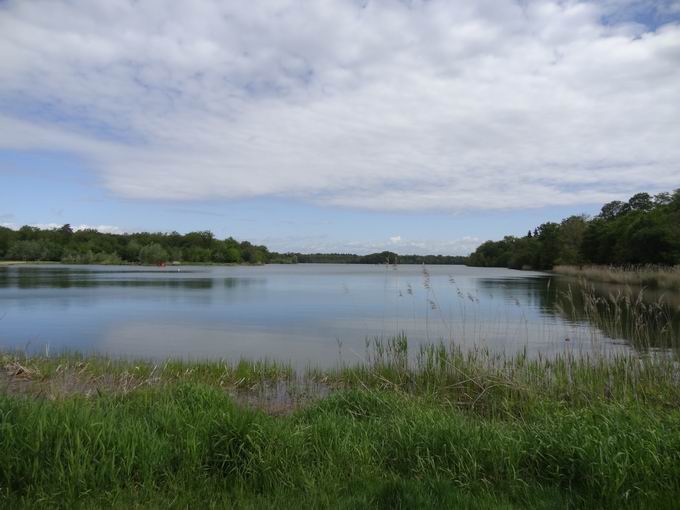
645	318
63	278
532	292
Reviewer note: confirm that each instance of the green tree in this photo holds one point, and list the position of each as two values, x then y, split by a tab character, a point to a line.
6	236
197	254
613	209
153	254
570	235
26	250
641	202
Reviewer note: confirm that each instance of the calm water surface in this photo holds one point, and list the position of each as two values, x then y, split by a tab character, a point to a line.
311	313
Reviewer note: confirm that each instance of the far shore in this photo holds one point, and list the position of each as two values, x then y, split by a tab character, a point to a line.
12	262
645	276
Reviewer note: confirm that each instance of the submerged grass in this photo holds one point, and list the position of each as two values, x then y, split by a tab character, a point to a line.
124	374
440	427
646	276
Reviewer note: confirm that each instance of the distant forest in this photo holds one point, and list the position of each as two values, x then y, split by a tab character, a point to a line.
376	258
92	247
643	230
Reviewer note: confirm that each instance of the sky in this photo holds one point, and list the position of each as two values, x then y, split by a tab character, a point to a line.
418	126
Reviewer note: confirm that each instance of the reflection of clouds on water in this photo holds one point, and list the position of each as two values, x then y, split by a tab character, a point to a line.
160	340
287	312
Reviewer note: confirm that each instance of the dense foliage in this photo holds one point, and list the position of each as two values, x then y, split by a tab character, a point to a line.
90	246
644	230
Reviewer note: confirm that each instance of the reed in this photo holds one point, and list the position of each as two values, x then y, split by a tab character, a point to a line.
662	277
624	314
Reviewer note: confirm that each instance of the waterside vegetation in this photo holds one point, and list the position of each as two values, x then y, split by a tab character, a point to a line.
438	427
661	277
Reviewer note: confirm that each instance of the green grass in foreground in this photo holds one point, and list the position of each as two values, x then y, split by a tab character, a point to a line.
191	446
447	429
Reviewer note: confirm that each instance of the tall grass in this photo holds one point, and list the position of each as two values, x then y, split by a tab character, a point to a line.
628	315
189	445
647	275
495	384
438	427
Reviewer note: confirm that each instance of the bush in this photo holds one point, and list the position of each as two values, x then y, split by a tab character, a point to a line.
153	254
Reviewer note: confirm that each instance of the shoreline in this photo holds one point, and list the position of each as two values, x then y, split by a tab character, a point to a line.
438	369
208	264
660	277
452	430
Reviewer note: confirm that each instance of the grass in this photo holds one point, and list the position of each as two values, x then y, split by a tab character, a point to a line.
440	427
646	276
190	446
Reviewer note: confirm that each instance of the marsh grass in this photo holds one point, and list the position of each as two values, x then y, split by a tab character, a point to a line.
71	373
646	276
625	314
440	427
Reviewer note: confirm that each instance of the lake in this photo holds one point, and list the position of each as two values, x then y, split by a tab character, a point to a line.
316	314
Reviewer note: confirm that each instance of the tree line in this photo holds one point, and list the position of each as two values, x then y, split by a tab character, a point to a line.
643	230
94	247
384	257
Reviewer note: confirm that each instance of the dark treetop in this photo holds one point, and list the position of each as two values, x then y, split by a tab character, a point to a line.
644	230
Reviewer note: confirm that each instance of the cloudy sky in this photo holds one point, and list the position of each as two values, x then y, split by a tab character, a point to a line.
338	125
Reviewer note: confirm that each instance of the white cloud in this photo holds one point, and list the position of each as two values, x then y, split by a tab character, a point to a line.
395	239
399	105
104	229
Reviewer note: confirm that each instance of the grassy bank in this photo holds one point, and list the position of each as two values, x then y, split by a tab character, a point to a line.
645	276
439	428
